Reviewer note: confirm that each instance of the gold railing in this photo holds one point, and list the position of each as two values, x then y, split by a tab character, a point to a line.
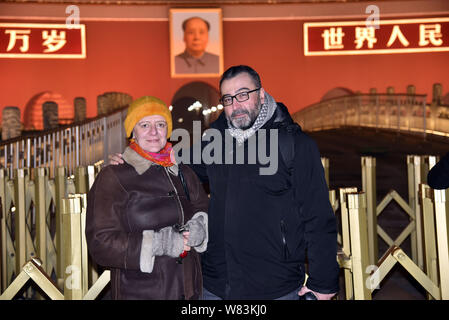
79	144
80	280
417	169
32	224
397	112
362	277
56	258
363	272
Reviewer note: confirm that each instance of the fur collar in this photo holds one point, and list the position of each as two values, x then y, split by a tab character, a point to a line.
141	164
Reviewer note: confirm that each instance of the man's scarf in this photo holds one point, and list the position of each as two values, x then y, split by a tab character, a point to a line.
162	157
266	112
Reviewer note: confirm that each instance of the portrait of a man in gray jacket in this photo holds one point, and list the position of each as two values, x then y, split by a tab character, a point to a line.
195	59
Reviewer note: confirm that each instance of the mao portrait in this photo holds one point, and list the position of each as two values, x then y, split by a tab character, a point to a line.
196	42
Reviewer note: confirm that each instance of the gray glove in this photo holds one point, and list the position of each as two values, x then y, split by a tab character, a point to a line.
168	242
197	230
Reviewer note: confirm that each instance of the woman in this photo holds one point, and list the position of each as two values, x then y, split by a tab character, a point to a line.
146	218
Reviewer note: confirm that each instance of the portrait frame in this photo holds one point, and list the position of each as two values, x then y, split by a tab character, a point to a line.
214	46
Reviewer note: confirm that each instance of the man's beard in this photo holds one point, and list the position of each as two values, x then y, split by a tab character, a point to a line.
247	122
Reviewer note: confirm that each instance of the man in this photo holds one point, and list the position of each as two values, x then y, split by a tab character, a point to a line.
438	176
261	226
195	59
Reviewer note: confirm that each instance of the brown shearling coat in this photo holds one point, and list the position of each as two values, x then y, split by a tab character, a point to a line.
121	205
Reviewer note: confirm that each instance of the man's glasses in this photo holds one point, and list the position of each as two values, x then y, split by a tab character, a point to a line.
240	97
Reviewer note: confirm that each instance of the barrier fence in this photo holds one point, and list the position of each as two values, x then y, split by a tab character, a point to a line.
363	272
417	169
362	278
44	179
32	223
71	146
79	276
55	255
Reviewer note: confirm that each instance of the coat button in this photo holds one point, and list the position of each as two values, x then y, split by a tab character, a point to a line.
171	193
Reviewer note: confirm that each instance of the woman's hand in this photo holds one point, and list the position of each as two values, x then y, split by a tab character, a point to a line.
197	231
185	235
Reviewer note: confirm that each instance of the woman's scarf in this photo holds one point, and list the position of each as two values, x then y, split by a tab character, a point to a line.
162	157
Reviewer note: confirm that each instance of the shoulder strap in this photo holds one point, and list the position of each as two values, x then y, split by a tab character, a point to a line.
287	144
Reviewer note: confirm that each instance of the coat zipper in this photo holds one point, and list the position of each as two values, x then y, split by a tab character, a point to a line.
177	196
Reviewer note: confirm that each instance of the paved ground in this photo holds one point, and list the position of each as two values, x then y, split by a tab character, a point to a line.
344	148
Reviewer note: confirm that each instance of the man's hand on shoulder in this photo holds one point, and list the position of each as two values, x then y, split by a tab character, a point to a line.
116	158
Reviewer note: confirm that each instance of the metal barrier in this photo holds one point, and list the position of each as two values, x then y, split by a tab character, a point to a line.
75	257
417	169
359	232
79	274
344	255
361	279
31	200
442	228
31	223
80	281
33	270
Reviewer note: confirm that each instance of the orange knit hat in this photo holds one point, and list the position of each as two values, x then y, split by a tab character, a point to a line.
146	106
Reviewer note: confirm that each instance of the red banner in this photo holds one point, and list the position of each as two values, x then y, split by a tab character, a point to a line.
35	40
382	37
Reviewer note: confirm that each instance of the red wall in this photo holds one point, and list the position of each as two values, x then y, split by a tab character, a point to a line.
133	57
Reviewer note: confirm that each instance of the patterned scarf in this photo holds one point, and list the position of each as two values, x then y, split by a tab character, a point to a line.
266	112
162	157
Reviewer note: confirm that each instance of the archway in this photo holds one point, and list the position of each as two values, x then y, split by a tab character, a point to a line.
33	116
188	94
